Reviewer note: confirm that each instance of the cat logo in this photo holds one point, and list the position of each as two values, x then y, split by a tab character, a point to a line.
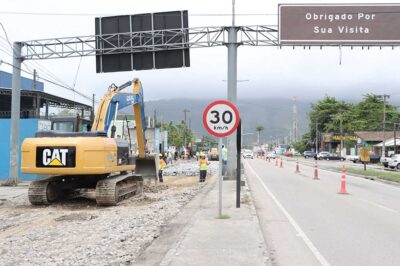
55	157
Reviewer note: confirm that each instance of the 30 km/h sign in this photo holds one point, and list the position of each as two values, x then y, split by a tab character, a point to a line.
221	118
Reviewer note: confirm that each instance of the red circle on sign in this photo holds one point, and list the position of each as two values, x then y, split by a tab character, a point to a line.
235	110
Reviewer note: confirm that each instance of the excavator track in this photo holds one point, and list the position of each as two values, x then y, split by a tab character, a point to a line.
112	190
42	193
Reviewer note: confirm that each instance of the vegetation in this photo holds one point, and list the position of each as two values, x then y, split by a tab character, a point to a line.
258	130
386	175
331	115
224	216
177	133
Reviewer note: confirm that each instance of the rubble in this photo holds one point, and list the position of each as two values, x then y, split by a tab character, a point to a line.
189	168
80	233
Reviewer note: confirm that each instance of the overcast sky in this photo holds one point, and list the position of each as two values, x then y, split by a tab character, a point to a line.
307	74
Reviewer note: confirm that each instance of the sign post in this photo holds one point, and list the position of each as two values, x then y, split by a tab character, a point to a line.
364	157
221	119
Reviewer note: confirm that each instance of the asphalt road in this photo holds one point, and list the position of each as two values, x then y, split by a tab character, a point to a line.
306	221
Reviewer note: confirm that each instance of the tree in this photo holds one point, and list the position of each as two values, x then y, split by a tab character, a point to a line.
303	144
367	115
259	129
328	114
177	133
325	115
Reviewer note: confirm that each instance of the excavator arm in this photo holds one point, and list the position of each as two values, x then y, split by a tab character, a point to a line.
113	101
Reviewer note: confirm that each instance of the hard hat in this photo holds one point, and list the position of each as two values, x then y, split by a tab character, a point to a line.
160	155
202	154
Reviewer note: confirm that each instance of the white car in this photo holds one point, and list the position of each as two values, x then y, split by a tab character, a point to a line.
271	155
247	155
386	160
395	162
322	155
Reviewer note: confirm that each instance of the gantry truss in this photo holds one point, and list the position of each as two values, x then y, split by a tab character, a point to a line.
146	41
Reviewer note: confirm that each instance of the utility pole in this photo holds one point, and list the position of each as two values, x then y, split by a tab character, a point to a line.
384	96
15	114
394	137
294	122
92	113
341	132
184	113
34	79
155	118
184	133
316	136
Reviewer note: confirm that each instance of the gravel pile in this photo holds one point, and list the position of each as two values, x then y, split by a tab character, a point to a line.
189	168
80	233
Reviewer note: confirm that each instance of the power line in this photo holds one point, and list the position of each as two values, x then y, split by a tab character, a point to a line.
42	68
190	15
52	82
38	66
100	14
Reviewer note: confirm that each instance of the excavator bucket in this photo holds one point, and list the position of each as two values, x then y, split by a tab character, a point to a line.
147	167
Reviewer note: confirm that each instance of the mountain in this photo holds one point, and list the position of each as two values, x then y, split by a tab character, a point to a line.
275	115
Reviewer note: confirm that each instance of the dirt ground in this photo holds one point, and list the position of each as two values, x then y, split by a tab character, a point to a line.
78	232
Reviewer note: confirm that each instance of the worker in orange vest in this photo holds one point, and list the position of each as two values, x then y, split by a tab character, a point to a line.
203	163
161	169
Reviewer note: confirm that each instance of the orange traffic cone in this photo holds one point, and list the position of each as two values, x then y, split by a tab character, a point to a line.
343	185
297	166
281	165
316	171
276	162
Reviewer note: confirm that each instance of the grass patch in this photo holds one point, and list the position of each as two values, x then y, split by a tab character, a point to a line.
386	175
223	216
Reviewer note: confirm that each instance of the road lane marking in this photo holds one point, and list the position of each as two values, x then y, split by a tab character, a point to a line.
297	228
378	205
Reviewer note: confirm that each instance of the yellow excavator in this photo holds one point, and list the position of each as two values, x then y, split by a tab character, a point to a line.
91	164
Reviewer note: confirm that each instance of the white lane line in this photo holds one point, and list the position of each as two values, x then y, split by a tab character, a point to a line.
379	205
297	228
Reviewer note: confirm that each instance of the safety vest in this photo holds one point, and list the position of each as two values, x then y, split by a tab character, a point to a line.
162	164
203	164
225	154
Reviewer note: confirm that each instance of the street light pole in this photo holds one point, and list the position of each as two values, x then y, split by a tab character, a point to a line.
232	45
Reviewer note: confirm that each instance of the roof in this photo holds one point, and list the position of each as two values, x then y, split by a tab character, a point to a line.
26	83
27	97
375	135
389	143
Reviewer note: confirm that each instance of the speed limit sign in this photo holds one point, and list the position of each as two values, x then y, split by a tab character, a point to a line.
221	118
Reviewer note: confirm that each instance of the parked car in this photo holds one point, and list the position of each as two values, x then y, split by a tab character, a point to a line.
395	162
374	158
353	158
309	154
322	155
247	154
334	156
271	155
289	154
386	160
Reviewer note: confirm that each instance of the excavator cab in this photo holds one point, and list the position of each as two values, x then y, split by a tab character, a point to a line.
70	124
